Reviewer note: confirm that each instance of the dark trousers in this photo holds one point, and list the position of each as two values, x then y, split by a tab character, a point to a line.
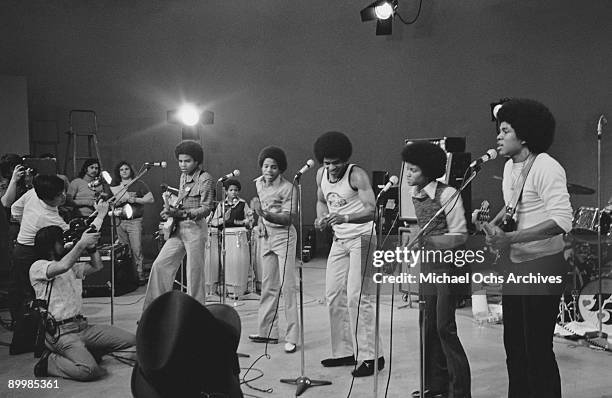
529	324
446	364
21	291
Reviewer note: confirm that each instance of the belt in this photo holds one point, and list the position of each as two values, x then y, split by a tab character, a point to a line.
72	319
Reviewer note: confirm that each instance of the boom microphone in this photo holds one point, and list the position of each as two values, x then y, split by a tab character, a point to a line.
393	180
490	155
308	165
234	173
161	164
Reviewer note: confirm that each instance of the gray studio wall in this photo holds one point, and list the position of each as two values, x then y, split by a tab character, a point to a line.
280	72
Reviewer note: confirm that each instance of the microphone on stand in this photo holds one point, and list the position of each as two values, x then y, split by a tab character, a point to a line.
234	173
393	180
305	168
490	155
600	123
162	164
166	188
96	182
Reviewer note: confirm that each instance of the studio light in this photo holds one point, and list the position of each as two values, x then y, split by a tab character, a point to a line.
382	11
125	213
190	115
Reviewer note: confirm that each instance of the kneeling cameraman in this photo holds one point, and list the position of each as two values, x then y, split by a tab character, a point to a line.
75	346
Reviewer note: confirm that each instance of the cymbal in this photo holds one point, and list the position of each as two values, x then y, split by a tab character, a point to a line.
579	189
571	188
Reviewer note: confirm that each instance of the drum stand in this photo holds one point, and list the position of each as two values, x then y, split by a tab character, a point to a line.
302	382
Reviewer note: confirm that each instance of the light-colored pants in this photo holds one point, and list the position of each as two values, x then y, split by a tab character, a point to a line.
342	291
278	259
129	233
80	346
189	239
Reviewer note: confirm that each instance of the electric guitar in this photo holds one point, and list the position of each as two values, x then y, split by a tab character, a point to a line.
171	223
508	224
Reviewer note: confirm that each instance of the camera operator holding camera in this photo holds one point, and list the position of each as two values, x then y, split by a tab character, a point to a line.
74	346
36	209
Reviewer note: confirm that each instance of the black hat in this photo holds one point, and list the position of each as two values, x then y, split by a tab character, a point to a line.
185	349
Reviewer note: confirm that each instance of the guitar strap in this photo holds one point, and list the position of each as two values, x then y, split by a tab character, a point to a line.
520	185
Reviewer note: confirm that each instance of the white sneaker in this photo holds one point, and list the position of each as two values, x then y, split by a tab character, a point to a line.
290	347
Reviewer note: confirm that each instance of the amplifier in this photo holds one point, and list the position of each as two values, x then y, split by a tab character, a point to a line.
98	284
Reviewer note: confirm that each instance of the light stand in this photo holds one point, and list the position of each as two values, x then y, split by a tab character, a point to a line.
302	382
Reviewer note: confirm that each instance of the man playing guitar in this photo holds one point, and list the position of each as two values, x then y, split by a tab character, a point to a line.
196	192
535	186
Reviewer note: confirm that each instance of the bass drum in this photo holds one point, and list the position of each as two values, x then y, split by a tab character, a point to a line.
589	306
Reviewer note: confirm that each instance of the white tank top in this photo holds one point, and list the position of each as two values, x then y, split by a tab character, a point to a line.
341	198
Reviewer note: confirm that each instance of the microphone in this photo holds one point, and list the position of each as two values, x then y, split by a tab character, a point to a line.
308	165
161	164
600	123
393	180
490	155
234	173
93	184
166	188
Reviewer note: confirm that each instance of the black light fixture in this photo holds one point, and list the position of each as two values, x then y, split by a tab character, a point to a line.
190	116
383	12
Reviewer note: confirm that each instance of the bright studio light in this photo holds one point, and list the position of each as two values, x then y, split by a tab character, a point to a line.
384	11
189	115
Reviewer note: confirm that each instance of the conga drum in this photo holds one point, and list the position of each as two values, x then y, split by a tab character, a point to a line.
211	261
236	260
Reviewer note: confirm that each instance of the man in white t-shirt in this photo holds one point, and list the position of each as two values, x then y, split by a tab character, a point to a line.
543	215
74	346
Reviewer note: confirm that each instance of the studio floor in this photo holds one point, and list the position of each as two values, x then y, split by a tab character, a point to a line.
585	372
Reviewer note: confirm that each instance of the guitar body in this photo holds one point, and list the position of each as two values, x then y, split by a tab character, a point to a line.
508	224
171	223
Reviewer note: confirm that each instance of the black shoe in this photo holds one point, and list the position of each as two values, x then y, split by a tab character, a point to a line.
41	367
430	394
367	367
260	339
344	361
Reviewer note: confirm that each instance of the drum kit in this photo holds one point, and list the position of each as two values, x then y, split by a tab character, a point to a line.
591	243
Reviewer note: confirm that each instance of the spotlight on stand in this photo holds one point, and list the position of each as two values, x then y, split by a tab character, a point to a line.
125	212
383	12
190	116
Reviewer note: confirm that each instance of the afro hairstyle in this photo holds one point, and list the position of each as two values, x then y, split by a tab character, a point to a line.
273	152
333	145
191	148
430	158
531	121
228	183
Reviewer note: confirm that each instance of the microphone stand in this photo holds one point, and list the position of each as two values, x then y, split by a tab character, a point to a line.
222	256
377	311
111	203
302	382
601	121
423	233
